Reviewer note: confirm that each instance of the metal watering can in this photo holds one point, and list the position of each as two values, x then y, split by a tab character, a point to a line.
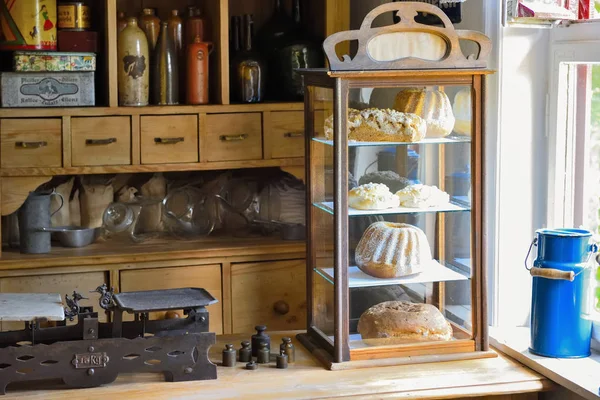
560	294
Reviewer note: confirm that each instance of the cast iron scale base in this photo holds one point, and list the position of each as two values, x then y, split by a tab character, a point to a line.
92	353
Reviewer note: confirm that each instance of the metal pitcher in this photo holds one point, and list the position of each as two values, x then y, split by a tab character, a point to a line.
33	215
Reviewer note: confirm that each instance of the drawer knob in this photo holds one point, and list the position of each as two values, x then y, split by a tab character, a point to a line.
233	138
31	145
281	307
293	134
95	142
169	140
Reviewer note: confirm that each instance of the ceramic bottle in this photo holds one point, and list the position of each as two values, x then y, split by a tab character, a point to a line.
133	65
195	25
150	24
165	70
197	71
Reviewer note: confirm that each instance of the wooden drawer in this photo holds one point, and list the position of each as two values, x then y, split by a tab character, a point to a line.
167	139
31	142
83	283
257	287
100	141
287	134
232	137
202	276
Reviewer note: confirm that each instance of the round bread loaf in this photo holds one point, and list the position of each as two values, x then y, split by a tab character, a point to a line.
462	109
372	196
431	105
422	196
389	178
392	250
380	125
402	321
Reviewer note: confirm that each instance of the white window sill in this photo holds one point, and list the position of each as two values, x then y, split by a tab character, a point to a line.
581	375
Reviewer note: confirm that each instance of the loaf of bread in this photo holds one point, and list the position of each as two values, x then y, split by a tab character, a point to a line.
380	125
394	322
372	196
431	105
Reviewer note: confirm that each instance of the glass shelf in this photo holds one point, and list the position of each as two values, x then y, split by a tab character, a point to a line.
352	212
446	140
433	272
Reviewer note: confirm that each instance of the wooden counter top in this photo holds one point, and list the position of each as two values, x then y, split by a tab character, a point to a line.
307	379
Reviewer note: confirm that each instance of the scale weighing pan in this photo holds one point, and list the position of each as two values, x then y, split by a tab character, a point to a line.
163	300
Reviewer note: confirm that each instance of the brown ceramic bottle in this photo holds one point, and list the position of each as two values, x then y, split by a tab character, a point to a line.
165	70
150	24
197	71
121	22
176	29
195	25
133	65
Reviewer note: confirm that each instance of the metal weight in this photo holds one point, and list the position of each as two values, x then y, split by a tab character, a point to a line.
229	356
245	352
263	354
282	361
258	338
288	348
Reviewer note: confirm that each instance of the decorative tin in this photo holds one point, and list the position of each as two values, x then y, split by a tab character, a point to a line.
78	41
29	61
74	16
28	25
47	89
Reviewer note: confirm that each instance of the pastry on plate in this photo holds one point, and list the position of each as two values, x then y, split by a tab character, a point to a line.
372	196
380	125
392	250
402	321
422	196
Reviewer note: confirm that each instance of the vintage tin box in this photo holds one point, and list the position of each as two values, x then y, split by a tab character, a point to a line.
29	61
47	89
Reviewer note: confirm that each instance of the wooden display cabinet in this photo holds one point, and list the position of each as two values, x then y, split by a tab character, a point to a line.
454	280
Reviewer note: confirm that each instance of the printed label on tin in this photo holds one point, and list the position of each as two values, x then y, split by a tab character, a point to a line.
28	24
73	16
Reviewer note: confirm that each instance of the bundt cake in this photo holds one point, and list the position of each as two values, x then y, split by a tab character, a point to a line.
431	105
380	125
462	109
402	321
392	250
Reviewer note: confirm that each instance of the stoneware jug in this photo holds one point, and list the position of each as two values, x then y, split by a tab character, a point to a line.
35	214
197	71
133	65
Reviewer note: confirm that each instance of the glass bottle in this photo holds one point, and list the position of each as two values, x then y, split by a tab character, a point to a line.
133	65
235	34
165	70
248	69
150	24
277	27
298	50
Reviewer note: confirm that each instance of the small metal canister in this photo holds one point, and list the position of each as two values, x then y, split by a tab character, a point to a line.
229	356
245	353
74	16
263	354
260	337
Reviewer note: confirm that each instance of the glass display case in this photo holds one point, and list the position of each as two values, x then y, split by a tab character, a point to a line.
394	141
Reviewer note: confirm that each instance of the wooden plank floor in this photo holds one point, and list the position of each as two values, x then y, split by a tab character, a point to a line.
499	377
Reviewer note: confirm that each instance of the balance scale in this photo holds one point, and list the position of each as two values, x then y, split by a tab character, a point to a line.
93	353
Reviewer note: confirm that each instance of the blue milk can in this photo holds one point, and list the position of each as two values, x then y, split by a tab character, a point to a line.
560	293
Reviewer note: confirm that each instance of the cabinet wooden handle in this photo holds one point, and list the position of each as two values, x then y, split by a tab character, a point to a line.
31	145
550	273
293	134
169	140
233	138
281	307
100	141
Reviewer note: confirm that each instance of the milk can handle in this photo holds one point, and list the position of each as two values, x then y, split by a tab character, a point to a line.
533	243
62	201
551	273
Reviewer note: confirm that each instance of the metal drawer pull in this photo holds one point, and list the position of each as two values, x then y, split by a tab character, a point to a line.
31	145
233	138
100	141
293	134
169	140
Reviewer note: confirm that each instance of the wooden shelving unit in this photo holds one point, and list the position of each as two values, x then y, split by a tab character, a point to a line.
220	263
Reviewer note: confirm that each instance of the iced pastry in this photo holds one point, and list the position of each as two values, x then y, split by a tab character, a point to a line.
372	196
422	196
